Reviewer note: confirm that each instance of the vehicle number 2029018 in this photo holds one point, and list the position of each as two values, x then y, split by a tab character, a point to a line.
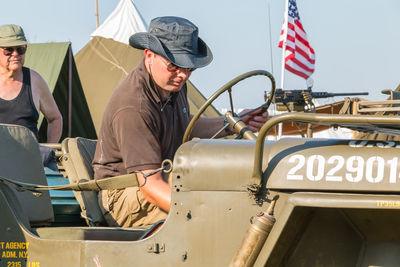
337	168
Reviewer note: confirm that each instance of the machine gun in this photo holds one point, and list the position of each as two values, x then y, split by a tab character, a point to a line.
301	100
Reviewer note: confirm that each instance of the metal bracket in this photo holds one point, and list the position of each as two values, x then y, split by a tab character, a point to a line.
156	248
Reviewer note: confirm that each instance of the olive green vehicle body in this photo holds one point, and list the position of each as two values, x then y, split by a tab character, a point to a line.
338	204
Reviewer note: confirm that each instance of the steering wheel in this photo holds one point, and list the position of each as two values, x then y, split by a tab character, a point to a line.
228	87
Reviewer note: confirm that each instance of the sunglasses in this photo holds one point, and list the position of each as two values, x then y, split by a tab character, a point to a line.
7	51
171	67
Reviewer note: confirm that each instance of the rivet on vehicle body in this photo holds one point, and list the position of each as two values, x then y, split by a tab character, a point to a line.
184	256
189	215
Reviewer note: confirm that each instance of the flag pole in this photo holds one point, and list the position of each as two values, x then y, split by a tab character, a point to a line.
285	21
97	14
270	39
271	55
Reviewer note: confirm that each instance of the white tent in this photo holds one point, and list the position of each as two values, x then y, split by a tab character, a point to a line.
124	21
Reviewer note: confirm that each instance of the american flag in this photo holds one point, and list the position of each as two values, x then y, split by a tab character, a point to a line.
299	55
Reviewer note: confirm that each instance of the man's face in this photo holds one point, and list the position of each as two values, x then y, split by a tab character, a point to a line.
12	58
165	74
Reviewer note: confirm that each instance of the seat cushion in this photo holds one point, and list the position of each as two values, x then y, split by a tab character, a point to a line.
20	160
77	161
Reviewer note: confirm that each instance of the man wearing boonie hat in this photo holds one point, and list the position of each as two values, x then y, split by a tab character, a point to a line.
23	92
145	120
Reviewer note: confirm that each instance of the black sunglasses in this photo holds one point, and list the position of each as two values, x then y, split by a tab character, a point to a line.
171	67
7	51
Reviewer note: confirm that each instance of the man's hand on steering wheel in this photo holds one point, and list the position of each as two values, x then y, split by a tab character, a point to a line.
254	120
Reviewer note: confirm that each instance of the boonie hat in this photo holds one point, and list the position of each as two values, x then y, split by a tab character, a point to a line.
176	39
12	35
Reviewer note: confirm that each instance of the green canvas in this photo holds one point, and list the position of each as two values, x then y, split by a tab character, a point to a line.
55	63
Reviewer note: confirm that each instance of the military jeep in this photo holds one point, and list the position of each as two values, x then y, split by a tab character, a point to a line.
291	202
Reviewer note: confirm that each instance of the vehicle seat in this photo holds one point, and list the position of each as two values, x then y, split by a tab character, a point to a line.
77	161
20	160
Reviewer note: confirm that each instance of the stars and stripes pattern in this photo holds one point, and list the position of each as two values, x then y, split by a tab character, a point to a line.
299	55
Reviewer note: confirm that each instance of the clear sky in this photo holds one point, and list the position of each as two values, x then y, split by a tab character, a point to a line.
356	42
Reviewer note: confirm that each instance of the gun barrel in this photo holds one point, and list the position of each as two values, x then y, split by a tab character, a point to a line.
325	94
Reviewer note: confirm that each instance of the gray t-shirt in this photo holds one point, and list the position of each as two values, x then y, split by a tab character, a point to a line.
138	130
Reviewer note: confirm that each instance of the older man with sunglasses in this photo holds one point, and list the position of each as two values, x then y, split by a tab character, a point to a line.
145	120
23	92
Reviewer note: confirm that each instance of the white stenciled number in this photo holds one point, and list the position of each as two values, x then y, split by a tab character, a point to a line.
371	169
372	162
355	164
330	176
300	163
393	170
320	167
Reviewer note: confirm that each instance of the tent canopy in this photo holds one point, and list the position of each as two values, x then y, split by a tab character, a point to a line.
55	63
124	21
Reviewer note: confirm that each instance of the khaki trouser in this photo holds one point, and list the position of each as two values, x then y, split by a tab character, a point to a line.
128	208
